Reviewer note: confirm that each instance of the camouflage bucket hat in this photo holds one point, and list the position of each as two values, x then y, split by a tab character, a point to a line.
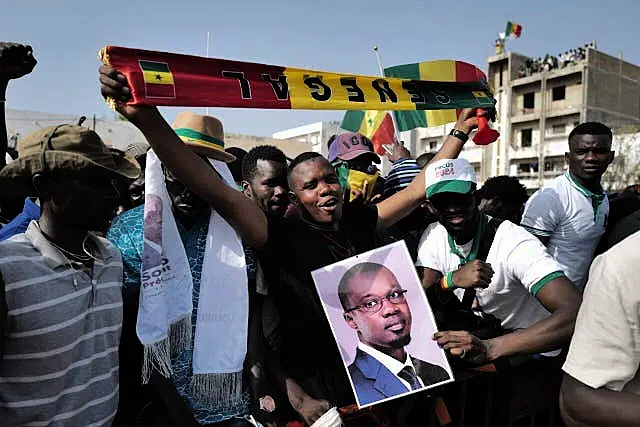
62	148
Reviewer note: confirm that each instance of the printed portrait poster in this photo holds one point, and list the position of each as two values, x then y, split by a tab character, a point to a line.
382	324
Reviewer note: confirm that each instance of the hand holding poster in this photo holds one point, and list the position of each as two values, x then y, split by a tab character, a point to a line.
168	79
383	324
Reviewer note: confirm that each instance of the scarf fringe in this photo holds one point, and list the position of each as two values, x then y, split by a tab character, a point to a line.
158	355
180	335
219	390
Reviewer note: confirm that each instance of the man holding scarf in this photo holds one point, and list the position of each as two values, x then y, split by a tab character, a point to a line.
186	262
293	247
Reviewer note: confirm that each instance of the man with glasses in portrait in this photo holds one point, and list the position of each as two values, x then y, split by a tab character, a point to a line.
375	307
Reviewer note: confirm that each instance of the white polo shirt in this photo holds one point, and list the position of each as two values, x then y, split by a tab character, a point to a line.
520	263
573	218
605	349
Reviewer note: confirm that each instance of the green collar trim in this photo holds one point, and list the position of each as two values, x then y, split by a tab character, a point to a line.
583	189
482	222
191	134
596	198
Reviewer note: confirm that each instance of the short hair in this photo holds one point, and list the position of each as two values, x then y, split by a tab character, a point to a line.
508	188
363	267
424	159
235	166
301	158
261	152
591	128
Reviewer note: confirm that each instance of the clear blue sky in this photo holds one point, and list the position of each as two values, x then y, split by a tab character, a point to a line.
330	35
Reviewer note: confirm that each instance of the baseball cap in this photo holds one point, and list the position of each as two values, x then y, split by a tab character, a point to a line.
349	145
450	176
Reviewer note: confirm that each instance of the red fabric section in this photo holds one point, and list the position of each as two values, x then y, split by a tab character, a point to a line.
466	72
198	81
517	30
383	135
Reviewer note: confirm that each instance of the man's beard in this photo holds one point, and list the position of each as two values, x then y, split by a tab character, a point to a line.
401	341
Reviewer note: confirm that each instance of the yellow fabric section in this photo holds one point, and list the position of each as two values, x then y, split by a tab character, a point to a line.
300	98
357	179
439	71
371	123
158	77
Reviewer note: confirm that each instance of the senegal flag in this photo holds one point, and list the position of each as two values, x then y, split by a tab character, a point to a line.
513	30
375	125
158	80
438	71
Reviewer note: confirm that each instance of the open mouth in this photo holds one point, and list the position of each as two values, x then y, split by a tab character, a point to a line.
329	205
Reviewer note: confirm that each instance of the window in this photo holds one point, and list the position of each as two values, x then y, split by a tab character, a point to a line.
526	137
528	100
558	129
558	93
433	144
528	168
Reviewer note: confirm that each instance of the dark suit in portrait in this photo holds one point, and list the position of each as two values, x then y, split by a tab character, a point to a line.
373	381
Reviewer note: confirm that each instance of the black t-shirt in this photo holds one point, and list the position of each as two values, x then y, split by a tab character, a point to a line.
294	249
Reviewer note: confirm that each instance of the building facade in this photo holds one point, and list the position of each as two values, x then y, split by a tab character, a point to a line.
538	110
315	135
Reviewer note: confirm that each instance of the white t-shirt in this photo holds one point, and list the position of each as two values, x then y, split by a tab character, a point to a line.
521	268
572	218
605	349
393	365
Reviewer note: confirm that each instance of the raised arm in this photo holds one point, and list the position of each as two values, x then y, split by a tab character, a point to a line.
16	60
404	202
243	215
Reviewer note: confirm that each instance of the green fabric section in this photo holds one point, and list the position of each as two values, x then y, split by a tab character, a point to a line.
406	71
352	120
154	66
407	120
343	175
546	279
193	134
452	186
482	222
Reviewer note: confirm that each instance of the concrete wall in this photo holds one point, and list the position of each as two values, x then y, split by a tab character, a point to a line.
613	91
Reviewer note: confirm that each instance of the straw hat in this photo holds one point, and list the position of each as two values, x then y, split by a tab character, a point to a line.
204	134
62	148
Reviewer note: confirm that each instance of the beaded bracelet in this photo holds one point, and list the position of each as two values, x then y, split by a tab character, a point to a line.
447	281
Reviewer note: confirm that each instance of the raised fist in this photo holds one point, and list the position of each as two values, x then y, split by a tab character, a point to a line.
16	60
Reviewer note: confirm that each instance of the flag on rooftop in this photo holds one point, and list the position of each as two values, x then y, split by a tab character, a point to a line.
513	30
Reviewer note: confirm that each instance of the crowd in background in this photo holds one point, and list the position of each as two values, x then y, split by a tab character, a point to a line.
551	62
116	267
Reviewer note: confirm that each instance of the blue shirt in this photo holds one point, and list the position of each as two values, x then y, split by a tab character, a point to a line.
127	233
19	224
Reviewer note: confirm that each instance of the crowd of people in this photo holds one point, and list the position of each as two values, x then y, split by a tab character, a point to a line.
170	285
551	62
